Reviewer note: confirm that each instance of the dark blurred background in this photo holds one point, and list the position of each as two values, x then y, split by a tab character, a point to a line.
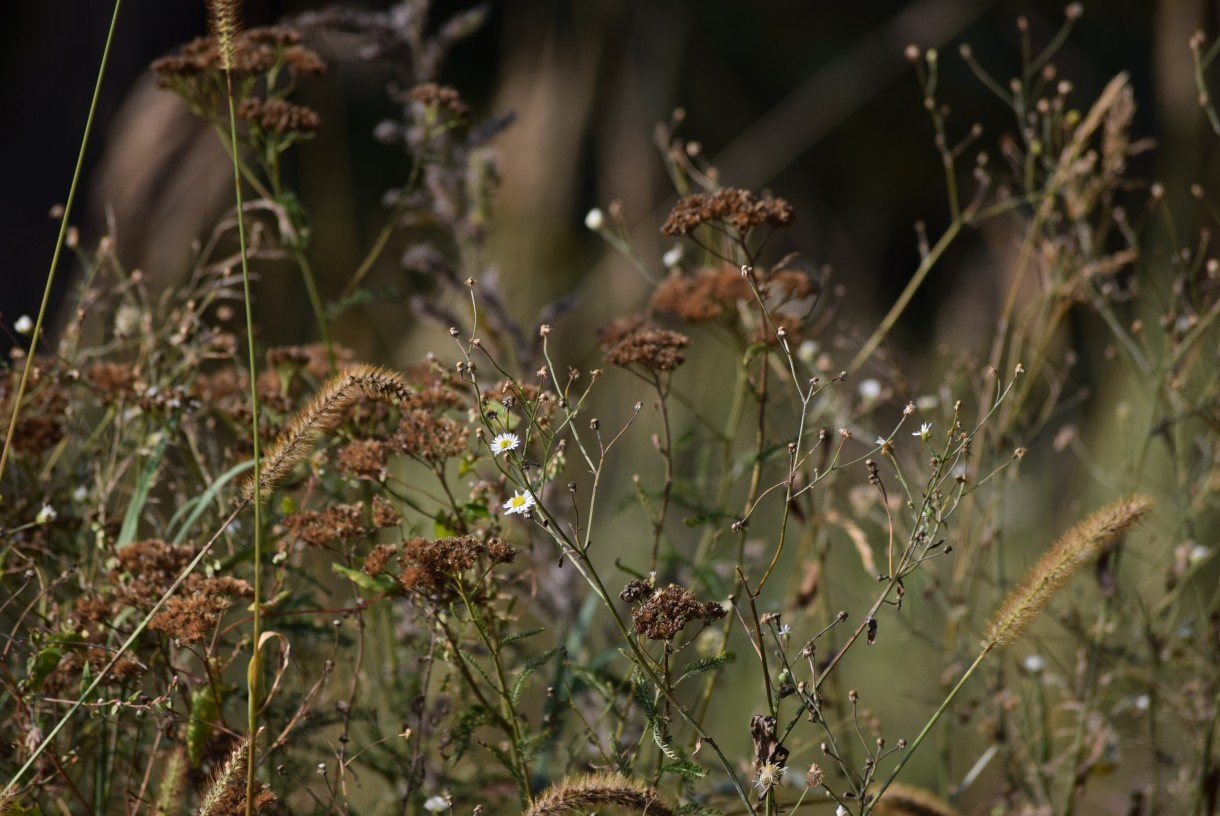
814	102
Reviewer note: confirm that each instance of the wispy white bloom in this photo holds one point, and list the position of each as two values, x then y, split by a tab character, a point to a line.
436	804
924	432
46	515
1034	664
24	325
881	440
595	219
504	442
785	630
769	776
673	257
869	389
519	502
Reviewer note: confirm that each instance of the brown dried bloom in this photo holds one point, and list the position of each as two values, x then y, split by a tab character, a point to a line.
739	209
442	98
384	513
436	567
192	614
430	438
364	458
317	527
375	562
280	116
667	612
631	341
255	51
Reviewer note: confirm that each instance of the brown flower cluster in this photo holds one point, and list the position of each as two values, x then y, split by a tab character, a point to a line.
193	613
279	116
710	294
434	567
342	521
662	614
255	51
43	409
431	95
632	341
739	209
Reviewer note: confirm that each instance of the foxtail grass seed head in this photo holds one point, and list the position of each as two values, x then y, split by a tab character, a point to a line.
598	792
908	800
1080	546
225	25
322	415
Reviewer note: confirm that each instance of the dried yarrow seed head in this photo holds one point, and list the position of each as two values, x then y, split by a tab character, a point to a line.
255	51
279	116
442	99
631	341
317	527
663	615
739	209
193	613
435	568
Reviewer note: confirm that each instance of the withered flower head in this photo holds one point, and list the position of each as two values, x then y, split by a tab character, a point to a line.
435	567
279	116
193	614
739	209
317	527
431	95
631	341
667	612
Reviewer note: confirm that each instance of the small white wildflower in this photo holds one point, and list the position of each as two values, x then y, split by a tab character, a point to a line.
80	493
924	432
436	804
24	325
842	811
595	219
519	503
46	515
673	257
927	402
652	577
1142	702
769	776
504	442
869	390
807	351
785	630
880	441
1197	554
1034	664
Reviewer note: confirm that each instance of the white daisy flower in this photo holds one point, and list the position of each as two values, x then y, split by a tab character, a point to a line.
46	515
519	502
24	325
595	219
504	442
924	432
436	804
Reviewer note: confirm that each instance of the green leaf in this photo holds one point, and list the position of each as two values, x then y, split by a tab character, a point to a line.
204	712
470	719
642	689
685	768
139	497
373	583
42	664
470	659
515	636
528	668
705	664
197	506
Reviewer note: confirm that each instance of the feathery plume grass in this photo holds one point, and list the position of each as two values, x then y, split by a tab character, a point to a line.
225	25
597	792
226	792
908	800
322	415
172	784
1078	547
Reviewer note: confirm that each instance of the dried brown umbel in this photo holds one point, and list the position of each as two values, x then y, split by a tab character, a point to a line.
279	116
632	341
738	209
192	614
443	99
666	613
321	416
598	792
317	527
435	567
1078	547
